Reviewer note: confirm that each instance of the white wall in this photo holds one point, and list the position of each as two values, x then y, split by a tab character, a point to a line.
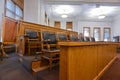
1	14
116	26
92	24
42	12
34	11
31	11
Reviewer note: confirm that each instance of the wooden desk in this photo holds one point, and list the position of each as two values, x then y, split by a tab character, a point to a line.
85	60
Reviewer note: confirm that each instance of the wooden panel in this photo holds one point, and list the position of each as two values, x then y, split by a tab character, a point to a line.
63	62
69	25
82	62
85	61
102	57
9	30
57	24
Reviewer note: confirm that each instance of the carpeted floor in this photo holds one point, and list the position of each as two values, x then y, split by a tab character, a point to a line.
12	69
47	75
113	73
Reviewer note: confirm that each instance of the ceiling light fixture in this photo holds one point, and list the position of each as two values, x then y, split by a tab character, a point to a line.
101	16
64	16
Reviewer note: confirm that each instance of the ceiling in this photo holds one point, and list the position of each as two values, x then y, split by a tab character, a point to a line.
82	11
84	1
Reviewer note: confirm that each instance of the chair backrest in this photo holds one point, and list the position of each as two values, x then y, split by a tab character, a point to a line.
81	39
73	38
92	39
62	37
87	39
31	34
49	36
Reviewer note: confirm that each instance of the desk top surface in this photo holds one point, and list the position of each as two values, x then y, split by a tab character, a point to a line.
85	43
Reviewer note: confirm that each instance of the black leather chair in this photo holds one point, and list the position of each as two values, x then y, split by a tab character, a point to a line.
92	39
32	42
50	48
49	38
87	39
81	39
73	38
62	37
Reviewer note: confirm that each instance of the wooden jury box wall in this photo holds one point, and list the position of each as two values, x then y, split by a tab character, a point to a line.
14	32
38	28
85	61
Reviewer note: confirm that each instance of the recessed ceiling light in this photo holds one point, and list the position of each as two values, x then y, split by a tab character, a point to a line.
64	9
101	16
64	16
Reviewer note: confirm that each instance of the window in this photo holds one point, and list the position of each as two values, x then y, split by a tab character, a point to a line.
107	34
86	31
96	33
13	10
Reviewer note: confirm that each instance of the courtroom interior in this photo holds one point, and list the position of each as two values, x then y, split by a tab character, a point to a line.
59	40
